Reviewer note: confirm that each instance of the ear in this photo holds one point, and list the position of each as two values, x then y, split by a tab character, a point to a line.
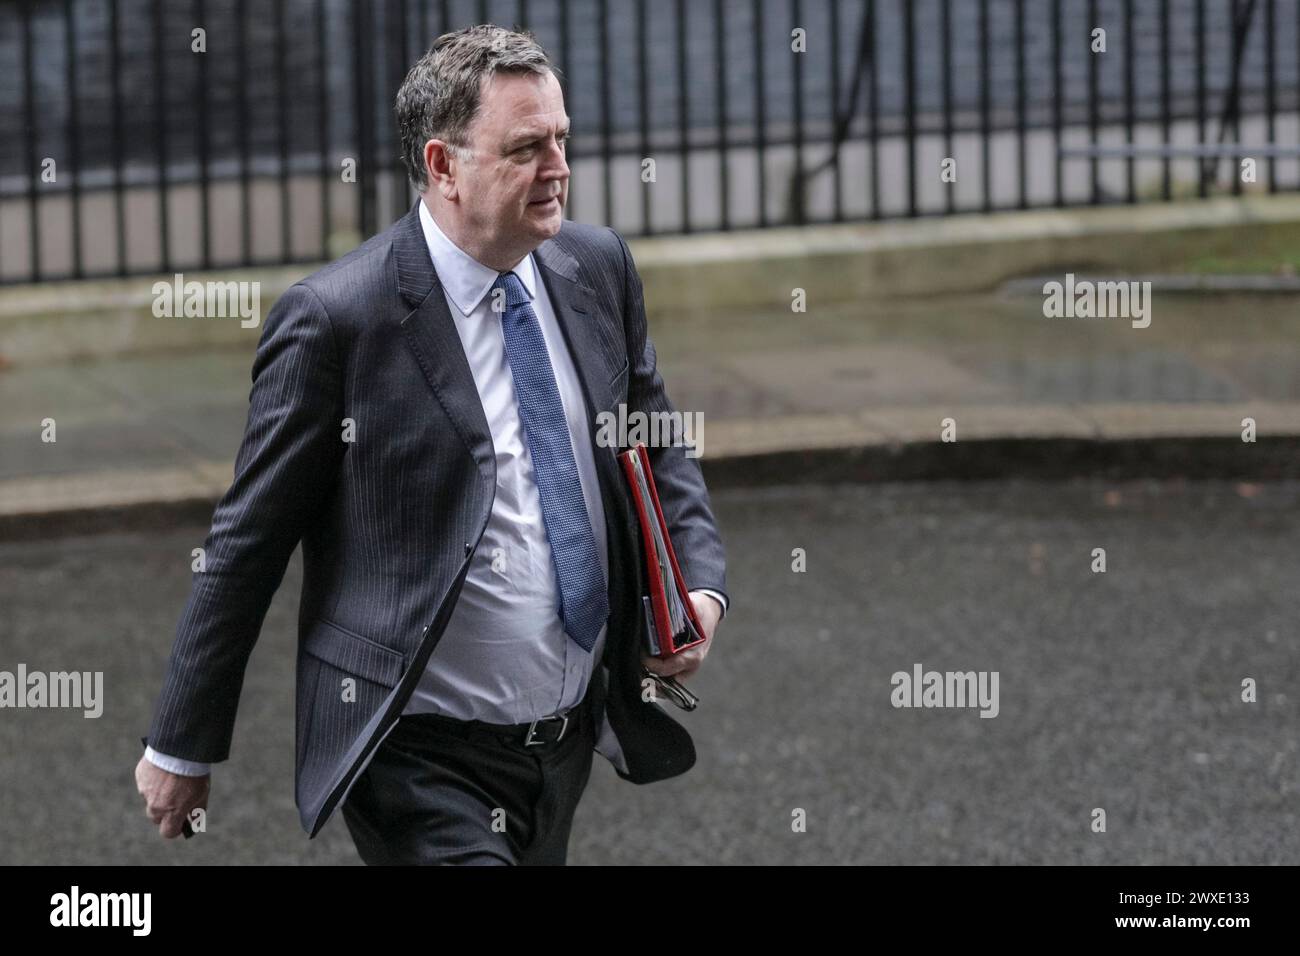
440	167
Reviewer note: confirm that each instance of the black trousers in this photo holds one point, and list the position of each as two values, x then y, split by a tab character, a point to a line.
441	791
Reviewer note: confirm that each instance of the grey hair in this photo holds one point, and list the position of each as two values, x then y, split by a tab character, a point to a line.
441	94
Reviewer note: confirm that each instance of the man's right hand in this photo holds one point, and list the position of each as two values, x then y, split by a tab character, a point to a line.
169	797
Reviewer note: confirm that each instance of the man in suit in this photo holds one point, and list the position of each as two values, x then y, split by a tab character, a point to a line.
422	419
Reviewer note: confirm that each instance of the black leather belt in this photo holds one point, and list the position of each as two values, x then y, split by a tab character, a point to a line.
542	733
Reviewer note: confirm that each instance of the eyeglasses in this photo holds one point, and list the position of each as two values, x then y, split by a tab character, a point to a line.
674	691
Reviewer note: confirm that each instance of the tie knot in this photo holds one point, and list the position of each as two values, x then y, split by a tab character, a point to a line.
516	294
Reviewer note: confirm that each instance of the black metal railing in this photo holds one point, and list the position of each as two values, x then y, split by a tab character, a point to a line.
125	150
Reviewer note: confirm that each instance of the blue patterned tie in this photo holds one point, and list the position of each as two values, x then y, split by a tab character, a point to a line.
584	601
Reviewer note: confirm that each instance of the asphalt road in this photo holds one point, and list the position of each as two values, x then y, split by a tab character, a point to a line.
1118	690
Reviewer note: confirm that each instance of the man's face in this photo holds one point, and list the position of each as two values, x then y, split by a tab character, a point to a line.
513	189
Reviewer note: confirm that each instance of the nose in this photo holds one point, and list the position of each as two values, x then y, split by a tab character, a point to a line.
556	165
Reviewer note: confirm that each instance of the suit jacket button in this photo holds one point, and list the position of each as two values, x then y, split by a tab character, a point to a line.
468	547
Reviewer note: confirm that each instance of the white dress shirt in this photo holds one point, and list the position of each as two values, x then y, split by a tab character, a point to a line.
504	657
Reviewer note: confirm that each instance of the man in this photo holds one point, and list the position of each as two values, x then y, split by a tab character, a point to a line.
422	418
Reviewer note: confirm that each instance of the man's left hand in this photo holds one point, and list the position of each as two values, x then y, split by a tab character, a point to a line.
687	662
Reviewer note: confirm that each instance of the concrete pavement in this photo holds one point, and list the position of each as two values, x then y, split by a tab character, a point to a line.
859	390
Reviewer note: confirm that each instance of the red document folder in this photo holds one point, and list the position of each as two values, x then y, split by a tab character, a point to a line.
664	588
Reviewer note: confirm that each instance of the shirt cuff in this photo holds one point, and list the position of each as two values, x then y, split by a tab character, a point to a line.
186	768
717	596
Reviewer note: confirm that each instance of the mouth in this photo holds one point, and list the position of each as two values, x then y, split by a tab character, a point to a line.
544	202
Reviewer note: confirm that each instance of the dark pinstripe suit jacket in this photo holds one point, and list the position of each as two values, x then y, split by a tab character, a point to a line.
389	520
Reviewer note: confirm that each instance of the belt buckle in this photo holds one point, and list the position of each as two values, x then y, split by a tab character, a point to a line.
532	730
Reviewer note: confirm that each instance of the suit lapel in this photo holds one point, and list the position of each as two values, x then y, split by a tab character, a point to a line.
571	301
431	334
588	344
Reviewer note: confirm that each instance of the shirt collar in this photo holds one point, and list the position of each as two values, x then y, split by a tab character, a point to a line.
466	279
